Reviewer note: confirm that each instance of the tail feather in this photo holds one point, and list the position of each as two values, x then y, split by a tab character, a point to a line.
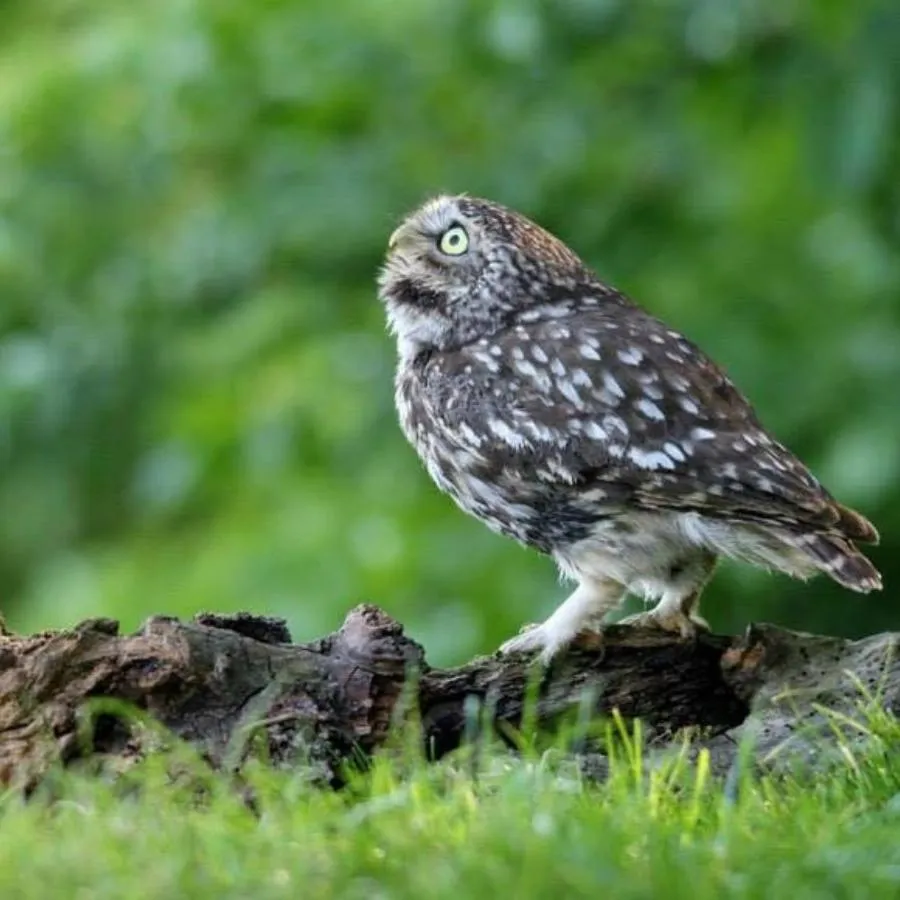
854	526
841	560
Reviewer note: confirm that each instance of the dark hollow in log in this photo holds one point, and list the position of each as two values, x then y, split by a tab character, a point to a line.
219	679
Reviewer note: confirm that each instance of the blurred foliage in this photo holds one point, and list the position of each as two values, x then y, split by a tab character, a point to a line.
195	383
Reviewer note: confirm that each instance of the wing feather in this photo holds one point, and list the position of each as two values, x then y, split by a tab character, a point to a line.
622	403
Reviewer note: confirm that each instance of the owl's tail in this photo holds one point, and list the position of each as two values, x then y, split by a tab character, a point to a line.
853	525
840	559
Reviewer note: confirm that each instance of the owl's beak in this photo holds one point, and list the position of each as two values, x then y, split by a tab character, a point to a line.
395	237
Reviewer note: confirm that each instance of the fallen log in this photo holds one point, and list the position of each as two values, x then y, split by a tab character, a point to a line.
217	681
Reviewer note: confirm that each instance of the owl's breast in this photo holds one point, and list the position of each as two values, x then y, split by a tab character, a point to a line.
500	500
503	496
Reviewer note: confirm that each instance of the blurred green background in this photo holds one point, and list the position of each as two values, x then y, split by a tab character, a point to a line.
195	382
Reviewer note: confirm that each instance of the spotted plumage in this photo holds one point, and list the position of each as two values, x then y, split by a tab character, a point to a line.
555	410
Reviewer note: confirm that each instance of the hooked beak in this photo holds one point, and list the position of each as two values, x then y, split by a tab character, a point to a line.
395	237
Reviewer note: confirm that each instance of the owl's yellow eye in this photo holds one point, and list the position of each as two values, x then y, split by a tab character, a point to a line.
454	241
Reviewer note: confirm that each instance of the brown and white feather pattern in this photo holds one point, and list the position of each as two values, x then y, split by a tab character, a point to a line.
567	421
558	412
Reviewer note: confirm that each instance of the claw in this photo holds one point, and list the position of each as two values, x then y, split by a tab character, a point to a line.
548	642
674	622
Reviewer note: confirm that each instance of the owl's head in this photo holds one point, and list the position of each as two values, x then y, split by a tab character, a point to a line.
459	268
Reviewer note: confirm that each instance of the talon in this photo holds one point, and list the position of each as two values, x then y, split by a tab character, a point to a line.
686	627
526	641
574	620
550	644
700	622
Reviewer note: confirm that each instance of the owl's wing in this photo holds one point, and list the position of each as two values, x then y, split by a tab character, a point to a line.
623	402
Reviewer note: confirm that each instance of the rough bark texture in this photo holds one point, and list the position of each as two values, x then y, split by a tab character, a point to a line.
225	682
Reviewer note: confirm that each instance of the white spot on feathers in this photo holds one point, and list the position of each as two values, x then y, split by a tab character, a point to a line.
649	409
541	432
538	376
615	423
632	356
612	385
650	459
679	382
557	471
470	435
567	389
674	451
729	470
486	360
506	434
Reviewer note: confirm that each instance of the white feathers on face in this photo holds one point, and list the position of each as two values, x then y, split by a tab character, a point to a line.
432	261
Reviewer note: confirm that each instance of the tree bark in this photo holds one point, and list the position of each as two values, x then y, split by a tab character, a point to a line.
227	684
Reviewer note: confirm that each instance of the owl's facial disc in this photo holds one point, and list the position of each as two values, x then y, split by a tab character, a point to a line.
432	262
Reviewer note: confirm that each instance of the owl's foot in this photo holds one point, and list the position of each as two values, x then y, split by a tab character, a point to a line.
673	621
573	617
549	639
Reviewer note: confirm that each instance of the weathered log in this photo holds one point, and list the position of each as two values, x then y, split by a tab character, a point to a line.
218	680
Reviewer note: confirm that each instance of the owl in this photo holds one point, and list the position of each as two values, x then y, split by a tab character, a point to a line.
558	412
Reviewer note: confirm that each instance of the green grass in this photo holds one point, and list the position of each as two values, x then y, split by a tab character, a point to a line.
522	828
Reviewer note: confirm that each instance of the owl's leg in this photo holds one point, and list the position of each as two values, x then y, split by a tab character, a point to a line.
584	607
678	609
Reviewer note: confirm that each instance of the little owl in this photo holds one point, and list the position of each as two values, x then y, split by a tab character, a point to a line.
559	413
